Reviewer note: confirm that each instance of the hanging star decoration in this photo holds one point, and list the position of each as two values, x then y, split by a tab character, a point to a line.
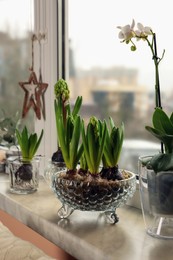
34	95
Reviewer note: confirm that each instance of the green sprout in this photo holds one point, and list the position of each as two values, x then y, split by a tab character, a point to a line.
113	145
69	134
61	102
83	163
28	143
93	141
63	109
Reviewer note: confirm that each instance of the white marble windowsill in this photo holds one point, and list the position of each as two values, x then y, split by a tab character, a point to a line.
84	235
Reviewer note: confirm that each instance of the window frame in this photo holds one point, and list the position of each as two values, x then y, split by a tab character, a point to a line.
49	65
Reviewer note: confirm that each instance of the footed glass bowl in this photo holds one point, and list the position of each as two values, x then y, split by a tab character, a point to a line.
91	194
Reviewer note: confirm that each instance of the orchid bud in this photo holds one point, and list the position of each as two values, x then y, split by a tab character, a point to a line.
133	48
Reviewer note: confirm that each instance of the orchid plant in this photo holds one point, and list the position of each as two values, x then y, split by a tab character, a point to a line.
162	127
128	33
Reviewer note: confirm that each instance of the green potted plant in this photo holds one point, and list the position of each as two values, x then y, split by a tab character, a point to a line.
155	171
7	129
91	180
24	169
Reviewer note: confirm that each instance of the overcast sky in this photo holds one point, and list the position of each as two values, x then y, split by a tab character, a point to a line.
15	15
95	36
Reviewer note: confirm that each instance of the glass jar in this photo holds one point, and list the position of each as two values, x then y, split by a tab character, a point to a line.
51	169
24	176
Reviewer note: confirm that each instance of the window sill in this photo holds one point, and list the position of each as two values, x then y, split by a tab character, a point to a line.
85	235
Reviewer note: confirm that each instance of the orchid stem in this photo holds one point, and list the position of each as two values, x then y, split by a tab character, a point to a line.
158	96
157	86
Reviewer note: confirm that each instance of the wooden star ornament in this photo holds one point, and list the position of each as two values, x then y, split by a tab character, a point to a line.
34	95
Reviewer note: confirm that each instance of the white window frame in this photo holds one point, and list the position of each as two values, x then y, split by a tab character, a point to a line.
49	74
54	65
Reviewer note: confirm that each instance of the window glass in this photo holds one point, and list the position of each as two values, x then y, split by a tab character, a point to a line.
114	80
15	60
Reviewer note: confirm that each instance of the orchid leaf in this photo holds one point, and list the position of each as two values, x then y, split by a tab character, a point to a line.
161	162
171	118
165	138
162	122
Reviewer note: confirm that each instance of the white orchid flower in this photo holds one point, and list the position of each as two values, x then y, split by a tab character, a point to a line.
143	31
127	31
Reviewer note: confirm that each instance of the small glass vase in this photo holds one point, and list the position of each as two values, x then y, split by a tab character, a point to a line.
156	193
24	176
51	169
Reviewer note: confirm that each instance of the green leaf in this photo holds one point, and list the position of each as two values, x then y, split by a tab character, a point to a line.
166	139
112	124
102	144
68	131
85	146
92	146
117	147
77	106
75	142
108	150
37	143
161	162
113	145
171	118
83	162
25	143
19	138
120	143
32	144
114	135
162	122
62	140
79	154
56	113
93	142
108	156
28	143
